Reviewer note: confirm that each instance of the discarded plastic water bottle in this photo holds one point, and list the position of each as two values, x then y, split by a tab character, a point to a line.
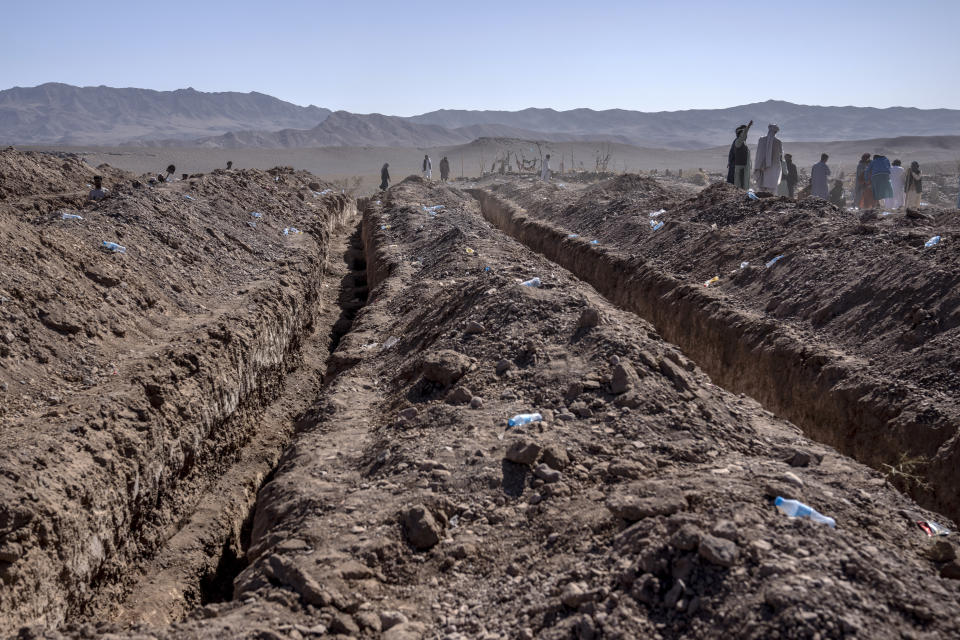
252	225
384	227
654	214
711	281
291	231
796	509
256	214
752	195
187	196
71	216
532	282
655	226
391	341
744	265
594	242
524	418
114	247
774	261
573	235
932	242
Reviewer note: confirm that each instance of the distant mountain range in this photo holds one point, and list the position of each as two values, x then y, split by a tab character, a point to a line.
62	114
66	115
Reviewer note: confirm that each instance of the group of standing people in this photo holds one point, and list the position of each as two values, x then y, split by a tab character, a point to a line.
880	182
877	181
427	167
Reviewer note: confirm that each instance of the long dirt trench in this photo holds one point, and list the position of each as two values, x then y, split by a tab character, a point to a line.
198	564
818	389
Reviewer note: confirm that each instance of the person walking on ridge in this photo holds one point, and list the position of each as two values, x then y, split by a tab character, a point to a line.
427	167
913	185
444	169
545	169
738	160
897	176
792	177
769	153
819	176
878	171
384	177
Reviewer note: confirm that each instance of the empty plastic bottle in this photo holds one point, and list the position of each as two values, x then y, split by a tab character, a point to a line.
594	242
524	418
656	227
932	242
774	261
573	235
532	282
796	509
113	246
752	195
71	216
744	265
256	214
187	197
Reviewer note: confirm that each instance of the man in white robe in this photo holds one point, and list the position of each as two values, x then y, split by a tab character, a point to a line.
767	168
897	176
545	169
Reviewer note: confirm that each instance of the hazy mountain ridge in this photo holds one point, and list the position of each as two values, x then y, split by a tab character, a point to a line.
55	113
63	114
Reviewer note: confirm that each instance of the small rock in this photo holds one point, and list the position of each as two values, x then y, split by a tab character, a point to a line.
523	451
459	395
421	528
445	367
8	337
390	619
951	570
369	620
545	473
686	538
614	360
580	409
409	413
476	402
575	594
473	328
556	457
941	551
726	529
801	458
343	623
405	631
718	551
589	317
676	375
670	600
792	478
633	508
503	366
625	378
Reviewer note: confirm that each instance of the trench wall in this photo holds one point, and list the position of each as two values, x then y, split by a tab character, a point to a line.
75	536
831	396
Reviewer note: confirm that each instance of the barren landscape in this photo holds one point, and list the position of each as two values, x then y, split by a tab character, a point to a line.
282	411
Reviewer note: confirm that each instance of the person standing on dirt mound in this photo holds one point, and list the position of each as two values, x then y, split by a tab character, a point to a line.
427	167
914	185
545	169
738	160
878	172
98	192
862	193
819	178
384	177
897	176
769	153
444	169
792	177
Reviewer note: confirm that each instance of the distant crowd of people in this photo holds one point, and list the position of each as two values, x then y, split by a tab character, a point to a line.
878	181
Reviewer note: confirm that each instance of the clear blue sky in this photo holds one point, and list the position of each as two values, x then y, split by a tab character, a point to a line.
403	58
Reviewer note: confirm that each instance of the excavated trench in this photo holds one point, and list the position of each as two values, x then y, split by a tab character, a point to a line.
200	563
823	392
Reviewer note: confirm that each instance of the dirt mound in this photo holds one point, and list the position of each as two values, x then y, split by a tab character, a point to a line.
130	380
628	183
878	308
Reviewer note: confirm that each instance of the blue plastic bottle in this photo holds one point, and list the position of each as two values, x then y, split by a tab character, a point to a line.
796	509
524	418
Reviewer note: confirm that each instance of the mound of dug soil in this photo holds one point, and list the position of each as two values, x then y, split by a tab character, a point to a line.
868	315
129	381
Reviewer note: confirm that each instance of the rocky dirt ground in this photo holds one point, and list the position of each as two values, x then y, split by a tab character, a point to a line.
850	285
403	506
